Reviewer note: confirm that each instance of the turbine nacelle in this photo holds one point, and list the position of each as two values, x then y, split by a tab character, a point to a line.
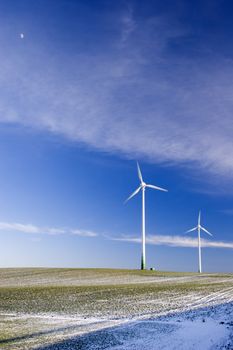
143	185
199	227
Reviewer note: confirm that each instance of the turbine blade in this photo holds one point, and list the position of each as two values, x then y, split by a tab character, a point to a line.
199	218
157	188
133	194
139	173
206	231
192	229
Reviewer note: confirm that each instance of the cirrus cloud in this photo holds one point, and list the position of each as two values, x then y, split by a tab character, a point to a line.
176	241
137	96
33	229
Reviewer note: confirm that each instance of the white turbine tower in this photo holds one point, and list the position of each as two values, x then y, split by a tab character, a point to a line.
199	228
142	187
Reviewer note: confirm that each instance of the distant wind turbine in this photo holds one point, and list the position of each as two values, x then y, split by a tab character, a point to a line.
142	187
199	228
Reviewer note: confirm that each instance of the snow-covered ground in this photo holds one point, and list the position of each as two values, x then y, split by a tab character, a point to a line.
199	328
202	329
148	312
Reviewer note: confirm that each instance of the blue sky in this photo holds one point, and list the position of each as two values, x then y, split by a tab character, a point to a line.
93	87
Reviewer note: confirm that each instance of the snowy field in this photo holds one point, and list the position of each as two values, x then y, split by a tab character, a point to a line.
114	309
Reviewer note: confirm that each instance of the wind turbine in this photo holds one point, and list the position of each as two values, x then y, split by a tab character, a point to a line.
199	228
142	187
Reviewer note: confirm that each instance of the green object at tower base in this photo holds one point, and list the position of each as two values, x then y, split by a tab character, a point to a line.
143	264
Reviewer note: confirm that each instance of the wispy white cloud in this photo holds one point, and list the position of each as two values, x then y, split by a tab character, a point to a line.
176	241
140	99
128	25
32	229
167	240
84	233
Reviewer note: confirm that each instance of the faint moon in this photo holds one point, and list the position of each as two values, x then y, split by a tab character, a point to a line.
21	35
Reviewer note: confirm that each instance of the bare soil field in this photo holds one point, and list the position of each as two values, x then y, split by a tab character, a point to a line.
114	309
